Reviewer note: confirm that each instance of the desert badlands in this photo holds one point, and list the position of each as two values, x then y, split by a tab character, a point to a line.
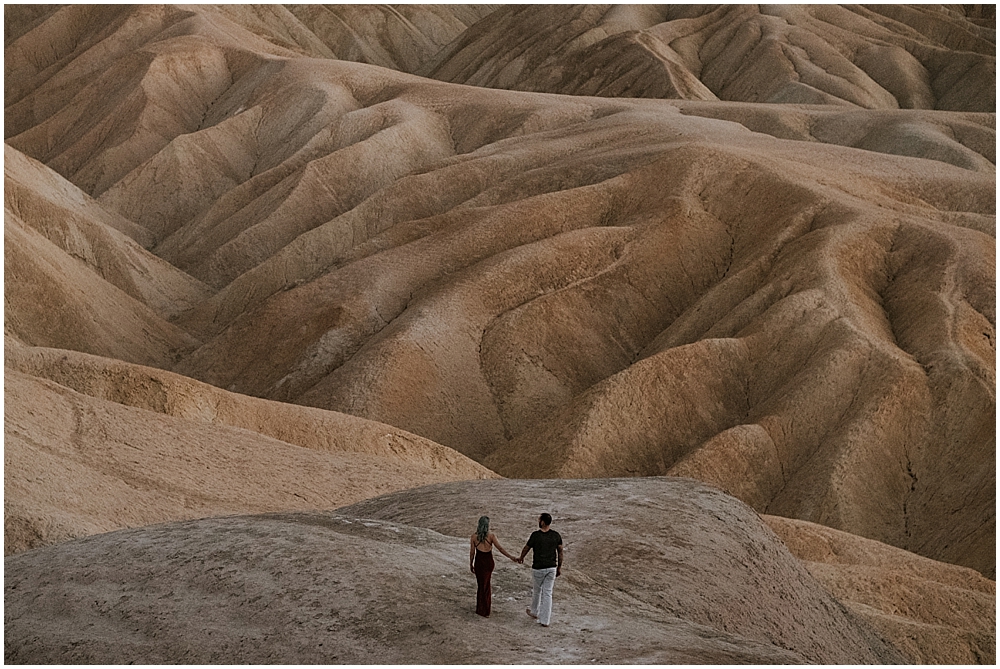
294	293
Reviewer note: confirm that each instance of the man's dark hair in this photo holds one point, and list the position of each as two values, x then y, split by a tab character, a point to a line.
545	518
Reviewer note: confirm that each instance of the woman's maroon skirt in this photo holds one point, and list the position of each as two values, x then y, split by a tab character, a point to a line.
484	570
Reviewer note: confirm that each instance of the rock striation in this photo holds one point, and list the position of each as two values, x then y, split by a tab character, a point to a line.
666	268
932	612
875	57
792	302
94	445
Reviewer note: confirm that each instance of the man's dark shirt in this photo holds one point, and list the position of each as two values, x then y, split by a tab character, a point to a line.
544	546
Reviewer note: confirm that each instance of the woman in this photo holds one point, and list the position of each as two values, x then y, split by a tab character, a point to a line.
481	563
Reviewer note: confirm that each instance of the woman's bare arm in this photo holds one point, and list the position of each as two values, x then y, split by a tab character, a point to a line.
493	540
472	553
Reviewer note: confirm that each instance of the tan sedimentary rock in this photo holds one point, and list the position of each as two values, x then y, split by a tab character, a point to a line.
793	303
109	245
657	571
54	299
402	37
933	612
93	445
878	57
779	281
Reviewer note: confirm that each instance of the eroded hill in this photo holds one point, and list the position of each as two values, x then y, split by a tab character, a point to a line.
657	570
93	445
875	57
792	303
387	582
245	274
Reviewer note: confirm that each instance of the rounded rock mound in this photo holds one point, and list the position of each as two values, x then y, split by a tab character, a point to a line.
657	570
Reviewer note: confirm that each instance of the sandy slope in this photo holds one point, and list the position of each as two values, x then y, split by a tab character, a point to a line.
878	57
792	303
55	299
93	445
110	246
685	575
402	37
934	613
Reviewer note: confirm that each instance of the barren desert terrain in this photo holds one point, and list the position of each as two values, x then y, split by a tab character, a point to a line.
294	293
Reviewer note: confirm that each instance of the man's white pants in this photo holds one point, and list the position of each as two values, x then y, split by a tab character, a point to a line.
542	581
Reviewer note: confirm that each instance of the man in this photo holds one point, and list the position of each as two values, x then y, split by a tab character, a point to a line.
546	565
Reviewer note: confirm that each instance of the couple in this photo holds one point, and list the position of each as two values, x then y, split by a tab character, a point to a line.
545	566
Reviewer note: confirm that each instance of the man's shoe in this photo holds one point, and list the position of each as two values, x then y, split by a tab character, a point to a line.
528	611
